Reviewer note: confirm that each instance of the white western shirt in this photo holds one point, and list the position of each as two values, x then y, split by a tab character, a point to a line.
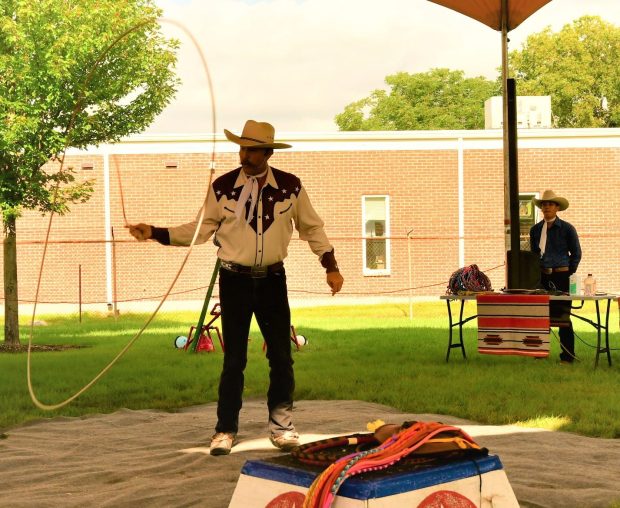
282	202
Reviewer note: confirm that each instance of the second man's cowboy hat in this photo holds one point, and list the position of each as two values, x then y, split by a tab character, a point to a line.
549	195
256	135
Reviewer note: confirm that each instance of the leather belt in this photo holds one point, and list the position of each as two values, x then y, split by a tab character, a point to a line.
552	270
256	272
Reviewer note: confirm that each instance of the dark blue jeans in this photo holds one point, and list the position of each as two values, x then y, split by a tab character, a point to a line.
242	296
559	312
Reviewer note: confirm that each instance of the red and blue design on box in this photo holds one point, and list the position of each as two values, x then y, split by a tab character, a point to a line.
283	483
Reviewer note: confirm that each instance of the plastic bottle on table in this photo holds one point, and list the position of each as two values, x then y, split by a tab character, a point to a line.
589	285
573	285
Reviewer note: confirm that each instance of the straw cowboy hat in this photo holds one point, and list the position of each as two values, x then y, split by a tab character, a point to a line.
256	135
549	195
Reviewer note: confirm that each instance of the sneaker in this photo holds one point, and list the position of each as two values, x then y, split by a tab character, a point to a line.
221	443
286	441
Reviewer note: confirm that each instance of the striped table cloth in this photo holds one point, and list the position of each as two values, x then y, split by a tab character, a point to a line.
513	325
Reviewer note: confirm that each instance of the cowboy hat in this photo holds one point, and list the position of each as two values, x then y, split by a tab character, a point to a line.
549	195
256	135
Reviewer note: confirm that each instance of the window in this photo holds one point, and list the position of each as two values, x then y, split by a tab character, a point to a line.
529	215
376	232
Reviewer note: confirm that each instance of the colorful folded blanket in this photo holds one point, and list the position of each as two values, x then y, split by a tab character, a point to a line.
513	325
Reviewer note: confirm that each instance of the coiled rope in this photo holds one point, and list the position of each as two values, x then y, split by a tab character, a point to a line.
468	279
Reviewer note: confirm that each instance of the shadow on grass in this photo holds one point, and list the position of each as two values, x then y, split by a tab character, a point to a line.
406	369
386	360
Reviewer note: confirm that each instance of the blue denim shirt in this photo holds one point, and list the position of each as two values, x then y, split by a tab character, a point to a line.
562	248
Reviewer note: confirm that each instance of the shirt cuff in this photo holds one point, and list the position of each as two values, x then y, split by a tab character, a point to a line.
328	261
161	235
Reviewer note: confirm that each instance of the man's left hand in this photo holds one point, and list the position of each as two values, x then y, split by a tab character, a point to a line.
334	281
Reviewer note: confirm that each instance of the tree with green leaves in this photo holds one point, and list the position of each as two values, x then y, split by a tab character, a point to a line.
73	73
578	67
437	99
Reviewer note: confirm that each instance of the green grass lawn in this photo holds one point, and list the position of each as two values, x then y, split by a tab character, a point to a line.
372	353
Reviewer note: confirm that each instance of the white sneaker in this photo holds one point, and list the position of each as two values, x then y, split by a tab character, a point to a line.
221	443
286	441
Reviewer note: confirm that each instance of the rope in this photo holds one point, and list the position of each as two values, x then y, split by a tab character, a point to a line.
201	288
120	189
449	447
323	490
327	451
76	109
468	278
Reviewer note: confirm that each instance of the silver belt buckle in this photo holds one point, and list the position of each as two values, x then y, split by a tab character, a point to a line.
258	272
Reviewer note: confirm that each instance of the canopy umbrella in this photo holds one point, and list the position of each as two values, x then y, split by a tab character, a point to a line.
504	15
491	12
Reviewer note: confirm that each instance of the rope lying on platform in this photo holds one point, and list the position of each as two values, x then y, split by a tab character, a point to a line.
413	437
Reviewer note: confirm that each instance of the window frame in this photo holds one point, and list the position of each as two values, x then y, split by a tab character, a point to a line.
524	226
387	270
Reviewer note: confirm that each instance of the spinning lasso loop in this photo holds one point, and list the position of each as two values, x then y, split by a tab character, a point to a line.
76	109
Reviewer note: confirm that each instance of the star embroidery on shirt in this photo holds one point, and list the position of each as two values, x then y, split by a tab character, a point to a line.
297	188
233	193
218	192
283	191
266	217
270	198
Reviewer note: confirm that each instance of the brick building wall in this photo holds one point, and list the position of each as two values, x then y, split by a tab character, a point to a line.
419	171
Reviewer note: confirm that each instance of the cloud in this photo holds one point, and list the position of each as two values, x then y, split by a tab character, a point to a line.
297	63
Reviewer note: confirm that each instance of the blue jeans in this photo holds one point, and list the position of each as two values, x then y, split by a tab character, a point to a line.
242	296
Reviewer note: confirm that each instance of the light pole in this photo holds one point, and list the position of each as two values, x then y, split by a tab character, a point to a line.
410	283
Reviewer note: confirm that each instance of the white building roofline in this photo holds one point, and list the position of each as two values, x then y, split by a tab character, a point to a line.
367	140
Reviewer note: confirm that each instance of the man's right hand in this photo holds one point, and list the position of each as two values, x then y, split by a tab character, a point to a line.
140	232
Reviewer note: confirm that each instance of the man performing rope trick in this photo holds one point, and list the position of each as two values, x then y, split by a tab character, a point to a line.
251	211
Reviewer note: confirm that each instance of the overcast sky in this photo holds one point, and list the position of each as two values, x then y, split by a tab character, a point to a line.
297	63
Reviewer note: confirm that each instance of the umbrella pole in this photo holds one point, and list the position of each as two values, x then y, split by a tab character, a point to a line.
511	179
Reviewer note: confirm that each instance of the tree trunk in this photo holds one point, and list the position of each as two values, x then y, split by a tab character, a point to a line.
11	312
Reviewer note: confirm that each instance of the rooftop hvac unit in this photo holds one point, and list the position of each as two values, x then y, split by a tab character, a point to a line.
533	112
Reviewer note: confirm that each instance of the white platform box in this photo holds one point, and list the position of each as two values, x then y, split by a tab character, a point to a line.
282	483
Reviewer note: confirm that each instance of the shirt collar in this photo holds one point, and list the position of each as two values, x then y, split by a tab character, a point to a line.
242	178
556	222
